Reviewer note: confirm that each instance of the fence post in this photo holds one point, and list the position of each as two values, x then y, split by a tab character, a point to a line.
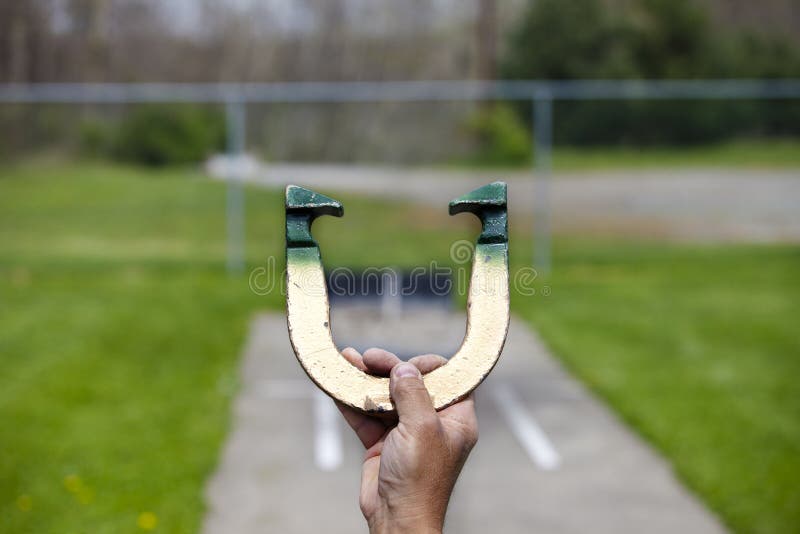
542	107
234	194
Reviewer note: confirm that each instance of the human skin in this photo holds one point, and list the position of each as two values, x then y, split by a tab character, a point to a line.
411	464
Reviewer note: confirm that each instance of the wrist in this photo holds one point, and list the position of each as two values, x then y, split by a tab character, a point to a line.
404	527
422	523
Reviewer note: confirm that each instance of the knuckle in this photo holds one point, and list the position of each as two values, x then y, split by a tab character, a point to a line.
413	389
428	425
407	384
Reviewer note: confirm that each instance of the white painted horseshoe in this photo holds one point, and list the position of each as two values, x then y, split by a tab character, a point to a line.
308	311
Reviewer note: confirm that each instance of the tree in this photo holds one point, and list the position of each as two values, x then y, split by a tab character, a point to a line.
651	39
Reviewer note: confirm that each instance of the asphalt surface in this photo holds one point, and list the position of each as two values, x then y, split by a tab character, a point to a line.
550	459
686	204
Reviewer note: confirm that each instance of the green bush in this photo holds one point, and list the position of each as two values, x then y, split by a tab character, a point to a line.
168	135
501	137
95	138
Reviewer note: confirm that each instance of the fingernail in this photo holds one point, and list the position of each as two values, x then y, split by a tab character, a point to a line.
406	370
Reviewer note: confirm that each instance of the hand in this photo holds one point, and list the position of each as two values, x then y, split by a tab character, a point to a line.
411	465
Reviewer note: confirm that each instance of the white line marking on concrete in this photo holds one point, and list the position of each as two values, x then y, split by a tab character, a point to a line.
289	389
327	433
524	427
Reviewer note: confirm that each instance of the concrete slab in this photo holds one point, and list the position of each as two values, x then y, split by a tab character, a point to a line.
291	465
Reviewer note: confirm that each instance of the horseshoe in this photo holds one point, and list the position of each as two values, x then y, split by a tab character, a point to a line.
308	311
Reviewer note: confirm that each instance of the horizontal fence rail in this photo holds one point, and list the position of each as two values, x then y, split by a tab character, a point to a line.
541	93
321	92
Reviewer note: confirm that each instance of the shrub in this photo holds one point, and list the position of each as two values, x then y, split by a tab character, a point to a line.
168	135
95	138
501	137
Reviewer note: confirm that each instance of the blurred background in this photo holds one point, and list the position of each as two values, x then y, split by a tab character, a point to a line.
143	150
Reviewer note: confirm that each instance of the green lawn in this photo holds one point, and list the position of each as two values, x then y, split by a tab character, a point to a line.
120	332
747	154
119	338
699	349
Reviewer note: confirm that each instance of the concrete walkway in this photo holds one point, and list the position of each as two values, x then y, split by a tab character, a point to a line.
686	204
550	459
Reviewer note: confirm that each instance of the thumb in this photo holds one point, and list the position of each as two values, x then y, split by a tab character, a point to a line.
410	397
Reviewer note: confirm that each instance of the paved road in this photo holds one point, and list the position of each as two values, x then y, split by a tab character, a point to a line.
699	204
550	459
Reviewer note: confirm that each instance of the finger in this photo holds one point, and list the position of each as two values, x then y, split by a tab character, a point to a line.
410	397
351	355
428	362
368	429
380	362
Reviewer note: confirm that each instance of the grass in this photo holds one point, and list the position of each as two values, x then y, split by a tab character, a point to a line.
120	332
746	154
119	338
698	349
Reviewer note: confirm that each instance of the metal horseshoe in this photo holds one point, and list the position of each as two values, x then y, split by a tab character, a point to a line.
308	310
